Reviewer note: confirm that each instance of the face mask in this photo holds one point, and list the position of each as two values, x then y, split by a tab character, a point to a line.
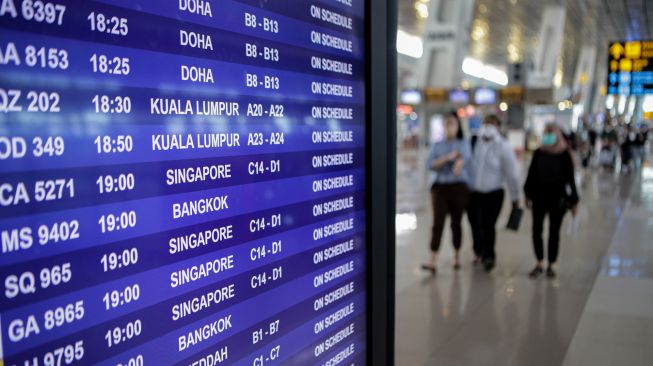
549	139
488	132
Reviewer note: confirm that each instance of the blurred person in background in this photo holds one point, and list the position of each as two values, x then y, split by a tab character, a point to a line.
627	148
493	163
450	160
550	190
639	146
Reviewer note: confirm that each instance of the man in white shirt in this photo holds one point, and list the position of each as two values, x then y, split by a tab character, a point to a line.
493	163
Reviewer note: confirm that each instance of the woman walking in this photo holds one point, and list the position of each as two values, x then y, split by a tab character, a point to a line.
550	190
449	159
493	163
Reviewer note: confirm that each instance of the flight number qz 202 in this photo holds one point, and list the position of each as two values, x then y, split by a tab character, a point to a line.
38	101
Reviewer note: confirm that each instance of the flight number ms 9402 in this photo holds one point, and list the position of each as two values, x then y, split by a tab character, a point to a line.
17	239
258	139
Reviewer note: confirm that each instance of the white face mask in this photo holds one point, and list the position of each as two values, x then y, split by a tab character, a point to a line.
488	131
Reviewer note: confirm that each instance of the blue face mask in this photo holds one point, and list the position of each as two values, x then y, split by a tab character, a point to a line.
549	139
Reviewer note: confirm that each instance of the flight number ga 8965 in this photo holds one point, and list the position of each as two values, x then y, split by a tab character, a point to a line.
23	328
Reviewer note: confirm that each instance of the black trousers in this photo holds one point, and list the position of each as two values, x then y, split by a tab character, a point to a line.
483	212
556	215
448	199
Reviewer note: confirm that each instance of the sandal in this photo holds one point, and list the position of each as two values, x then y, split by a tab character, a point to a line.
536	272
550	273
430	268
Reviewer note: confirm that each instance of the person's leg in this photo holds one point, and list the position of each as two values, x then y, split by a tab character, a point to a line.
459	197
438	199
555	222
473	216
493	202
539	211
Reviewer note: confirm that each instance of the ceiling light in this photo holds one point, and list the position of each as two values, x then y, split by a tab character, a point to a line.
503	106
409	45
477	69
422	10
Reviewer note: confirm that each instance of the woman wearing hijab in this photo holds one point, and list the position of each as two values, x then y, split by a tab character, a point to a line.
449	159
493	163
550	190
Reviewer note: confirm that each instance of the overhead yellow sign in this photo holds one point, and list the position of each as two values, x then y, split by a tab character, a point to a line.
631	68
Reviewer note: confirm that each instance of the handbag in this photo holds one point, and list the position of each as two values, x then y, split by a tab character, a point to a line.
515	219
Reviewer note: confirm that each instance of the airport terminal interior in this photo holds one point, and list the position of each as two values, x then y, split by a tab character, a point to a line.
598	310
326	182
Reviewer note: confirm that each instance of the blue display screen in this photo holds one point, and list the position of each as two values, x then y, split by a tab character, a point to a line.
182	182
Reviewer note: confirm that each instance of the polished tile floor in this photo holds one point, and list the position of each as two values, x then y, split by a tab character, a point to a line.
599	311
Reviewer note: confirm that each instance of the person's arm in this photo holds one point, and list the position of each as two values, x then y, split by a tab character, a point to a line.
571	182
529	186
463	159
509	169
437	161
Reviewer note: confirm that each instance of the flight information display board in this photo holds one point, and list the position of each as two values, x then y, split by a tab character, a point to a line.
631	68
182	182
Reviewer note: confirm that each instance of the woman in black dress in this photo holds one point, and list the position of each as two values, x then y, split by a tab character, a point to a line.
550	190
